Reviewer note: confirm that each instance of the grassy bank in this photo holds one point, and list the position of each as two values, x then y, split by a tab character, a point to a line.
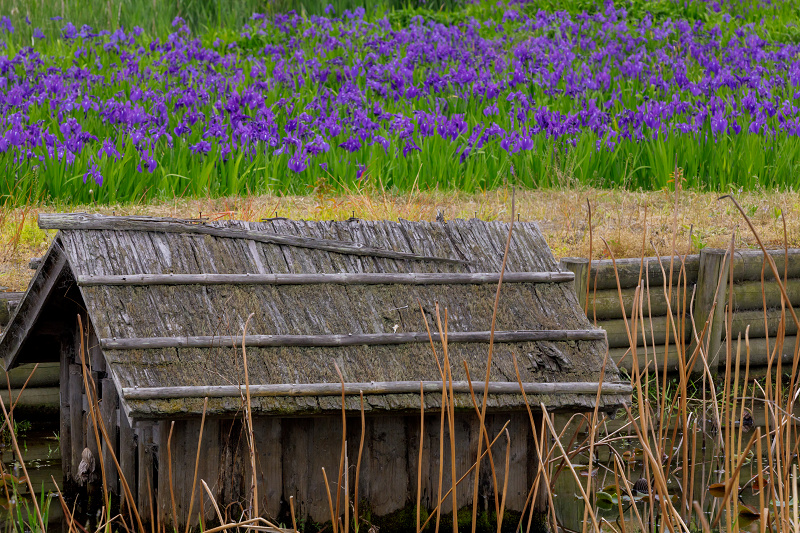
624	219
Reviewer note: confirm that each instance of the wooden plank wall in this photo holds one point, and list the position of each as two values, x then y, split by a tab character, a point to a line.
708	276
290	455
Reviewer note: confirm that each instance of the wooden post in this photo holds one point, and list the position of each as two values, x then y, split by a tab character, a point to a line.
65	439
580	267
108	412
146	484
76	417
539	518
712	263
127	453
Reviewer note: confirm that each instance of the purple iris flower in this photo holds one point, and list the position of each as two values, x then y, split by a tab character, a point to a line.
299	161
38	34
5	24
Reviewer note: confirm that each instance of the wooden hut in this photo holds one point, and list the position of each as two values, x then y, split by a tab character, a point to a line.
163	306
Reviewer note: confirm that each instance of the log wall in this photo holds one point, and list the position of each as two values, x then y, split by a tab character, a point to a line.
700	287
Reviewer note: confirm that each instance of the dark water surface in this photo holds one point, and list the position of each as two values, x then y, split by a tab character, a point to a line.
39	444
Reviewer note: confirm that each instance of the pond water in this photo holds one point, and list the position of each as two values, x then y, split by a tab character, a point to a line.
39	442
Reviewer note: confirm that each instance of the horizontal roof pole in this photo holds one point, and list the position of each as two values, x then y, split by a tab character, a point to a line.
407	278
366	339
373	387
85	221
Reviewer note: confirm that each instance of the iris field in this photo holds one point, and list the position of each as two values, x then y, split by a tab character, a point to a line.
459	96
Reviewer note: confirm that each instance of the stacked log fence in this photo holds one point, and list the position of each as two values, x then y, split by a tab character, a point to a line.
694	289
40	387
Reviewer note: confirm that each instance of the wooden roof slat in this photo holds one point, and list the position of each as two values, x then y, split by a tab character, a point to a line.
82	221
386	387
405	278
350	340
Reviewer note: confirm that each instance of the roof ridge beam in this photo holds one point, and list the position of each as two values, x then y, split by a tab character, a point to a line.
85	221
410	278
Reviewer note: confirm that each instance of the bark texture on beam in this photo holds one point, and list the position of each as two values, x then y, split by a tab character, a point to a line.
368	339
388	387
84	221
409	278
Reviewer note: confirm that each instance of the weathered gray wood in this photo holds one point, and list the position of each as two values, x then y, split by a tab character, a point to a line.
405	278
108	412
8	303
754	320
82	221
297	446
618	336
145	483
64	428
164	501
94	350
748	294
127	453
91	443
30	308
759	356
366	339
76	417
605	304
390	387
747	264
628	270
624	360
386	452
580	268
267	436
712	283
46	375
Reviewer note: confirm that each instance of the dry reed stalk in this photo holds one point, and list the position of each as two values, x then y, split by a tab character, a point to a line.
213	500
451	415
334	523
196	463
464	476
291	512
153	521
169	472
701	517
659	476
505	484
232	525
489	360
250	439
795	511
342	456
761	488
538	441
358	461
419	457
595	525
444	404
734	479
626	484
619	500
69	515
91	394
483	434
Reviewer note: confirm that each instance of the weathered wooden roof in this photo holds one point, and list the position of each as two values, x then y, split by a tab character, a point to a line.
169	301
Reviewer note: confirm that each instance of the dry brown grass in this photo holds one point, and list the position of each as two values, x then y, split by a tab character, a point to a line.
618	216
